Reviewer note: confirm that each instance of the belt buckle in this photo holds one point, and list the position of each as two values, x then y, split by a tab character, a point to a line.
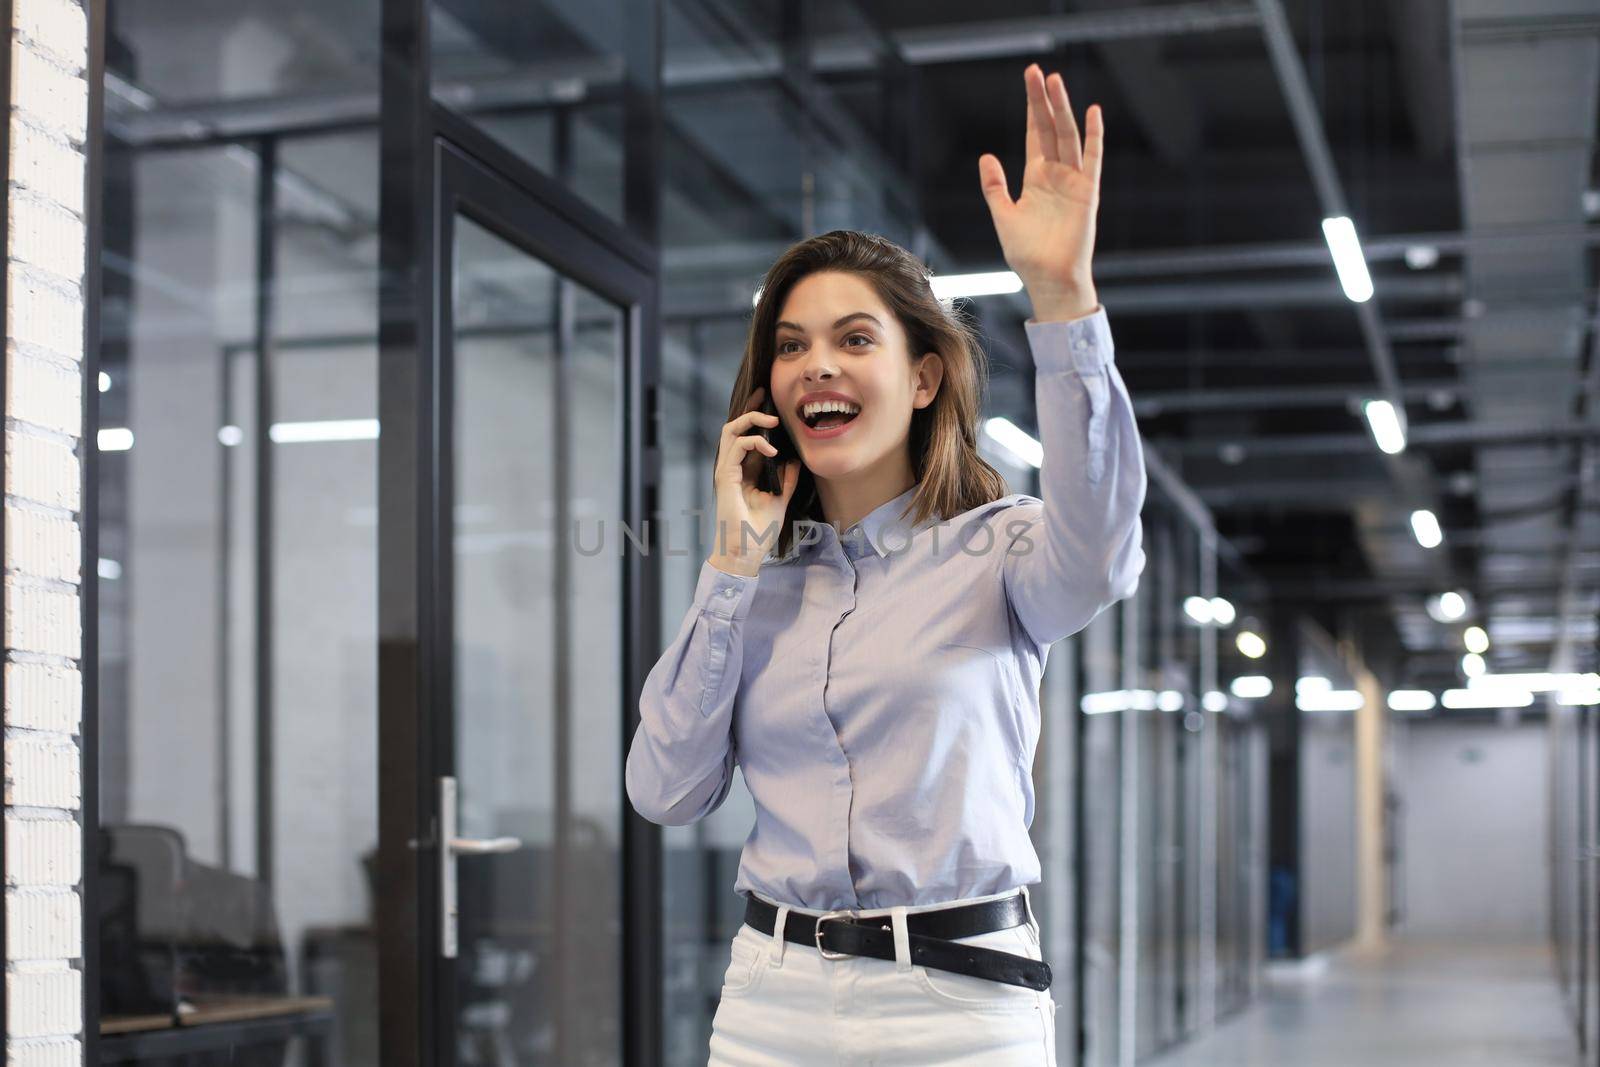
817	932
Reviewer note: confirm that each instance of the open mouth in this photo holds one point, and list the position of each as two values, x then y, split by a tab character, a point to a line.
829	420
829	416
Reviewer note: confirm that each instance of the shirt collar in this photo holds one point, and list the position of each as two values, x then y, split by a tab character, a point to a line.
885	518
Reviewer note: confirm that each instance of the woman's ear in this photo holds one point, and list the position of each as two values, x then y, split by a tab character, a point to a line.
930	372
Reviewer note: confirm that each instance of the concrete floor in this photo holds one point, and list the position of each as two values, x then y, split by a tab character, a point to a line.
1422	1003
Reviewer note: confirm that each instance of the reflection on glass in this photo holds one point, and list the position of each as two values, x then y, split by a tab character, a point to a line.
237	719
1101	877
545	79
538	683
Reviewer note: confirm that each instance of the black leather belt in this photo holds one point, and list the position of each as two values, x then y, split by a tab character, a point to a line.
929	936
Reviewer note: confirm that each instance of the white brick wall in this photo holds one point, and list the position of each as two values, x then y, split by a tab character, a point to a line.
44	441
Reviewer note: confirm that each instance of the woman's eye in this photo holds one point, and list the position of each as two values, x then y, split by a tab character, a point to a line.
783	349
865	337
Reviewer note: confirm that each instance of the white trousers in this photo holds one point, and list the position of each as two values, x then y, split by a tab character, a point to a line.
784	1005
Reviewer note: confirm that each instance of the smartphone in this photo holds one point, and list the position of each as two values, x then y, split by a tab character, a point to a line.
770	480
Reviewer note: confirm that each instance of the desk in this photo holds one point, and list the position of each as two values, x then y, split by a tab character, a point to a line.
216	1023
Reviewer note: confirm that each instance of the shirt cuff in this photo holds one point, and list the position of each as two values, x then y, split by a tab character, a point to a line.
1082	344
722	594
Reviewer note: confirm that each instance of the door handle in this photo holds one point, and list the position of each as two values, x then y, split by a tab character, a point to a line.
474	846
453	846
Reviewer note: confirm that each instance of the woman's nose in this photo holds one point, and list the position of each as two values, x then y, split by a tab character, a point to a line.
818	368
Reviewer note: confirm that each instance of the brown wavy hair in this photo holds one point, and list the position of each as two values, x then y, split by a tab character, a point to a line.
951	477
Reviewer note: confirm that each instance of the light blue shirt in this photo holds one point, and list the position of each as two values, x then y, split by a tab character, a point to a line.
880	689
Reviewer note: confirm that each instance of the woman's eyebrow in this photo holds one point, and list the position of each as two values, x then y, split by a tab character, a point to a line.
853	315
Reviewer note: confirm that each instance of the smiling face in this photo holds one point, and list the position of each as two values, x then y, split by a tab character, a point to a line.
835	336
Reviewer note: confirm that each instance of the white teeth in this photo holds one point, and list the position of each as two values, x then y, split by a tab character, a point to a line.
819	407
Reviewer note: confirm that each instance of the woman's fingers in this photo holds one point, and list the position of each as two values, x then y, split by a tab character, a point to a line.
756	441
1066	126
1041	125
735	450
992	179
747	420
737	458
1094	145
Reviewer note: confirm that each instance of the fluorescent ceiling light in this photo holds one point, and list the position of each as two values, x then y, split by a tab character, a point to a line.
1221	611
1014	439
1538	682
1197	608
1347	257
109	569
1330	700
105	382
1425	526
1251	644
951	286
284	433
1458	699
1215	701
1411	700
1312	683
1118	700
1384	423
1421	257
115	439
1169	700
230	435
1476	639
1578	697
1251	686
1472	665
1448	607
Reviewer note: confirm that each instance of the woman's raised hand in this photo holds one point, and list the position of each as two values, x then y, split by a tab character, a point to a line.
1047	233
739	457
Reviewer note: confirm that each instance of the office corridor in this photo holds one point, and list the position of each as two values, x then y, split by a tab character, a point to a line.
1424	1003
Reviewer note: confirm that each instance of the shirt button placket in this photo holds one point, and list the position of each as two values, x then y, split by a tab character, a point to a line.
844	789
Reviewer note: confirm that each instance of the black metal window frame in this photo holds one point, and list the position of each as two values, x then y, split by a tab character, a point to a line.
436	163
433	160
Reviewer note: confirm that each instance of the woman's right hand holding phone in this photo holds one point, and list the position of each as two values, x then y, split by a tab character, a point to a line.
743	448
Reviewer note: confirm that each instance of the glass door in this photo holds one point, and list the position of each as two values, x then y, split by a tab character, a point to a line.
532	921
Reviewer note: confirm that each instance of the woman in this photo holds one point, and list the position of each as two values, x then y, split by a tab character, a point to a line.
876	673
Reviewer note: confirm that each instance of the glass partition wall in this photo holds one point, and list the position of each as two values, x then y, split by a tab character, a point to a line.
244	507
237	482
1167	883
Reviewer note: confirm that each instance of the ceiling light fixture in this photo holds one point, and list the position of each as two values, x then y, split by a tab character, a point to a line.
1425	526
1412	700
993	283
1015	440
1251	686
1347	257
1476	639
1384	423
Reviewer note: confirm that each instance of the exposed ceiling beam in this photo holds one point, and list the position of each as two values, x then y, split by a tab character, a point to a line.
1179	297
1278	397
1307	123
1437	434
1304	494
1278	254
1002	38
